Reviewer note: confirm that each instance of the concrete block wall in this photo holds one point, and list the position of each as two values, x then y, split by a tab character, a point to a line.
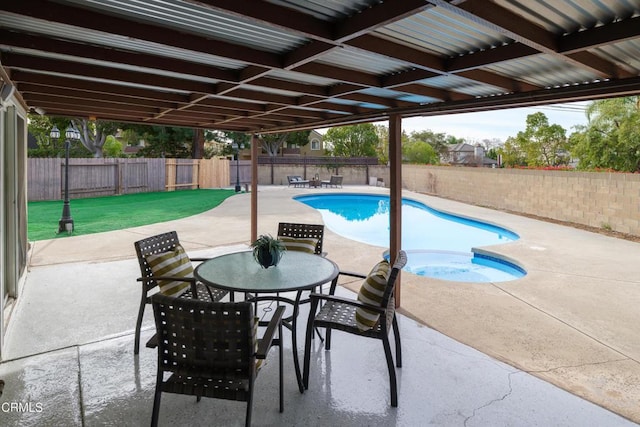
352	175
596	199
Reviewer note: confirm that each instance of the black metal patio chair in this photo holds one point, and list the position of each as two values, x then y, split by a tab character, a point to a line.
371	319
165	243
211	349
335	181
303	237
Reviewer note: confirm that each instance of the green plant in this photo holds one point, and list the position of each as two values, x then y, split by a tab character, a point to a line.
606	226
267	250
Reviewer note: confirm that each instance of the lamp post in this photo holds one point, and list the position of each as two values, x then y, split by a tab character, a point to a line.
236	148
66	222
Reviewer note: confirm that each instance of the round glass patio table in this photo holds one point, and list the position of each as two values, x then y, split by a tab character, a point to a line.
296	271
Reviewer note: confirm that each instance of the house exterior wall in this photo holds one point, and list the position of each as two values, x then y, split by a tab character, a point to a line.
596	199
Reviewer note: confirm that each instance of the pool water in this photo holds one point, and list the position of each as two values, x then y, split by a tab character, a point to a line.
461	266
437	244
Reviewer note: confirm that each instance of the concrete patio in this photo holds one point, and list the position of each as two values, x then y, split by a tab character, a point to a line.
558	347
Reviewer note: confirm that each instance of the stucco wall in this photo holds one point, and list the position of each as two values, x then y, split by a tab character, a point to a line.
602	200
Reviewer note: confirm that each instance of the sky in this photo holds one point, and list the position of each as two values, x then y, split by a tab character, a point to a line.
500	124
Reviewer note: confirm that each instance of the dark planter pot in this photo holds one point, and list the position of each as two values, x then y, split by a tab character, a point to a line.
266	260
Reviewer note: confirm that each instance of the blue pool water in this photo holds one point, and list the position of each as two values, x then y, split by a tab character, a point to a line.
437	244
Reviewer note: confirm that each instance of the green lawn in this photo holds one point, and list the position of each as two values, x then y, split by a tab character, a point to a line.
94	215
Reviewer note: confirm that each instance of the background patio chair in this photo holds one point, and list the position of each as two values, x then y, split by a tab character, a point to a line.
297	181
299	236
158	244
334	181
340	313
211	350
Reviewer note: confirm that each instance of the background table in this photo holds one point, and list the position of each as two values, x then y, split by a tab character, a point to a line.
296	271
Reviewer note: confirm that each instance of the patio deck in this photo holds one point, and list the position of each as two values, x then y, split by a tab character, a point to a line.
521	353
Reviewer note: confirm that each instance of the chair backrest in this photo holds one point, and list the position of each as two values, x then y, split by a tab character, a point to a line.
206	339
387	298
164	242
303	231
336	180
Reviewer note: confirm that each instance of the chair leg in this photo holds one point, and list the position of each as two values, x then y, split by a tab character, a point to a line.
247	421
392	371
156	406
281	365
396	335
307	345
143	303
327	339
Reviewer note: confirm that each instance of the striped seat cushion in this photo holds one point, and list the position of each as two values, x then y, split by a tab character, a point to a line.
301	244
174	263
371	292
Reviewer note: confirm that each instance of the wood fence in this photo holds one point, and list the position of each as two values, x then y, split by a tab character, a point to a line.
101	177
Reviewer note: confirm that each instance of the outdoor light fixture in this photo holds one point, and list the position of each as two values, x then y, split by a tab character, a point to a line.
71	134
236	148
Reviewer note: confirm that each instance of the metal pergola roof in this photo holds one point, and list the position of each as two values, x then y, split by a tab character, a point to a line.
279	65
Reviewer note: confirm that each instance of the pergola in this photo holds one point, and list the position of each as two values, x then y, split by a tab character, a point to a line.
283	65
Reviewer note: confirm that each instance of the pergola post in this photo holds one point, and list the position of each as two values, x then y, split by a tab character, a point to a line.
255	143
395	196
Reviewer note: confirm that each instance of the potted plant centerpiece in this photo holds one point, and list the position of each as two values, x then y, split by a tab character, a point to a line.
267	250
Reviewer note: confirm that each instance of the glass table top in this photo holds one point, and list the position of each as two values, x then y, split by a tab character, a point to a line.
240	272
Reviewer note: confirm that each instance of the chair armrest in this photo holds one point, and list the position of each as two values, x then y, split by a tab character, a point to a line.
352	274
334	283
347	301
264	344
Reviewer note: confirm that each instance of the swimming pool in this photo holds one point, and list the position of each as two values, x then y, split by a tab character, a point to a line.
438	244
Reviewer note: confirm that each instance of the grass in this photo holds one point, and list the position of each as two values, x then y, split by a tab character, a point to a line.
95	215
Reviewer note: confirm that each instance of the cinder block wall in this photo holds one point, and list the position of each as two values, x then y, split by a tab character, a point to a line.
597	199
352	175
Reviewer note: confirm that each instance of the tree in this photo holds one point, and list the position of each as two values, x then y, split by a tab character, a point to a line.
40	128
93	133
611	138
511	153
271	143
112	147
226	138
353	141
439	141
540	144
160	141
382	150
419	152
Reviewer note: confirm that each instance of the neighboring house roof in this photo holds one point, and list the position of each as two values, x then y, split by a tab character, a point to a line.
465	154
132	149
461	147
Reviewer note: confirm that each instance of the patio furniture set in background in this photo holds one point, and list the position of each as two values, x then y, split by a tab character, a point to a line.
211	348
297	181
